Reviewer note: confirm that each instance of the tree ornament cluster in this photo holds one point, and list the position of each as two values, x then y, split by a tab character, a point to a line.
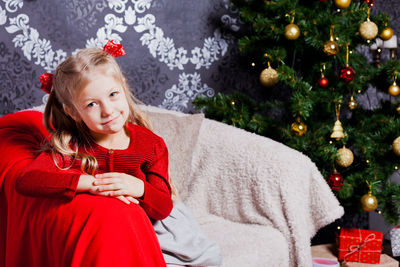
314	93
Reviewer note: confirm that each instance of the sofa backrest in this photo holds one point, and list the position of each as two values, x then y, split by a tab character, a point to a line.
180	132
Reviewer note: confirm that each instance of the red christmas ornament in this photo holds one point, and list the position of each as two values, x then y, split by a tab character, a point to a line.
323	82
370	3
347	74
335	180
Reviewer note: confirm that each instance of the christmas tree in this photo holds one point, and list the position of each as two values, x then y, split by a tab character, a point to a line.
312	53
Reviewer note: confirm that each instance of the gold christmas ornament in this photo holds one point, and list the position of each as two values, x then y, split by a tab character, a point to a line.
342	3
368	30
331	47
386	33
394	89
398	109
298	127
292	31
369	202
352	104
345	157
337	131
269	77
396	146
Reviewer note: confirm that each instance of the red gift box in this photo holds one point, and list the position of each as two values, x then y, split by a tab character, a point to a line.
360	245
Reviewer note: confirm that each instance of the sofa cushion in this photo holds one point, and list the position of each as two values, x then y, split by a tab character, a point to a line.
246	244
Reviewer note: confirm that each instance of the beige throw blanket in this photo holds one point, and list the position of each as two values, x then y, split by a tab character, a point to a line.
246	178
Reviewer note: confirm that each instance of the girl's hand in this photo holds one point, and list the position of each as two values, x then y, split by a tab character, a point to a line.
128	199
86	184
115	184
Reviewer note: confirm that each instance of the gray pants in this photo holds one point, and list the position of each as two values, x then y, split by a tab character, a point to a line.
183	242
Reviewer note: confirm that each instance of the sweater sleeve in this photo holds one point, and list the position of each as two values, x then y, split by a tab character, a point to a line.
157	200
42	178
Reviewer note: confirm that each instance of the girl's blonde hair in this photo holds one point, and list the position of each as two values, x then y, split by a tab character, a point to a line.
68	134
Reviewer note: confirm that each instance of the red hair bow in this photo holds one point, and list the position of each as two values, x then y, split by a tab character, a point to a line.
116	50
47	82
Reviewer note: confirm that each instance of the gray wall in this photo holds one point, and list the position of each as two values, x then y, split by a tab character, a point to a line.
176	50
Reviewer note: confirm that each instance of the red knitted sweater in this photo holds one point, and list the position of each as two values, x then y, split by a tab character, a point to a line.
146	158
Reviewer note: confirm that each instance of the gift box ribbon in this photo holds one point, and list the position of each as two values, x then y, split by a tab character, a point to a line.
358	248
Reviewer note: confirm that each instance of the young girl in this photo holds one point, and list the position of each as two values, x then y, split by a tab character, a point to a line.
101	144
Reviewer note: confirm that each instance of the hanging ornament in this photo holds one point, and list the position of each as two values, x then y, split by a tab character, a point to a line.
347	74
342	4
292	31
396	146
335	180
369	201
345	157
398	109
298	127
394	89
331	48
386	33
352	104
337	131
368	29
370	3
269	76
323	82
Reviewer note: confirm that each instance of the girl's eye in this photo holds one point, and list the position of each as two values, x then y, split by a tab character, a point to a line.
92	104
115	93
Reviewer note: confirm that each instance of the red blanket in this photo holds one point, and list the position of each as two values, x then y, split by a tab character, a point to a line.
87	231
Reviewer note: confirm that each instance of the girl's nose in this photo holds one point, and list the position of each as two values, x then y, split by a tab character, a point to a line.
106	110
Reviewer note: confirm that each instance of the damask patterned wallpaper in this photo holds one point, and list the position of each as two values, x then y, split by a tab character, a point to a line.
176	49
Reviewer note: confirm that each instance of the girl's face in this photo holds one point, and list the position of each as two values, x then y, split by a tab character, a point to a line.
102	105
